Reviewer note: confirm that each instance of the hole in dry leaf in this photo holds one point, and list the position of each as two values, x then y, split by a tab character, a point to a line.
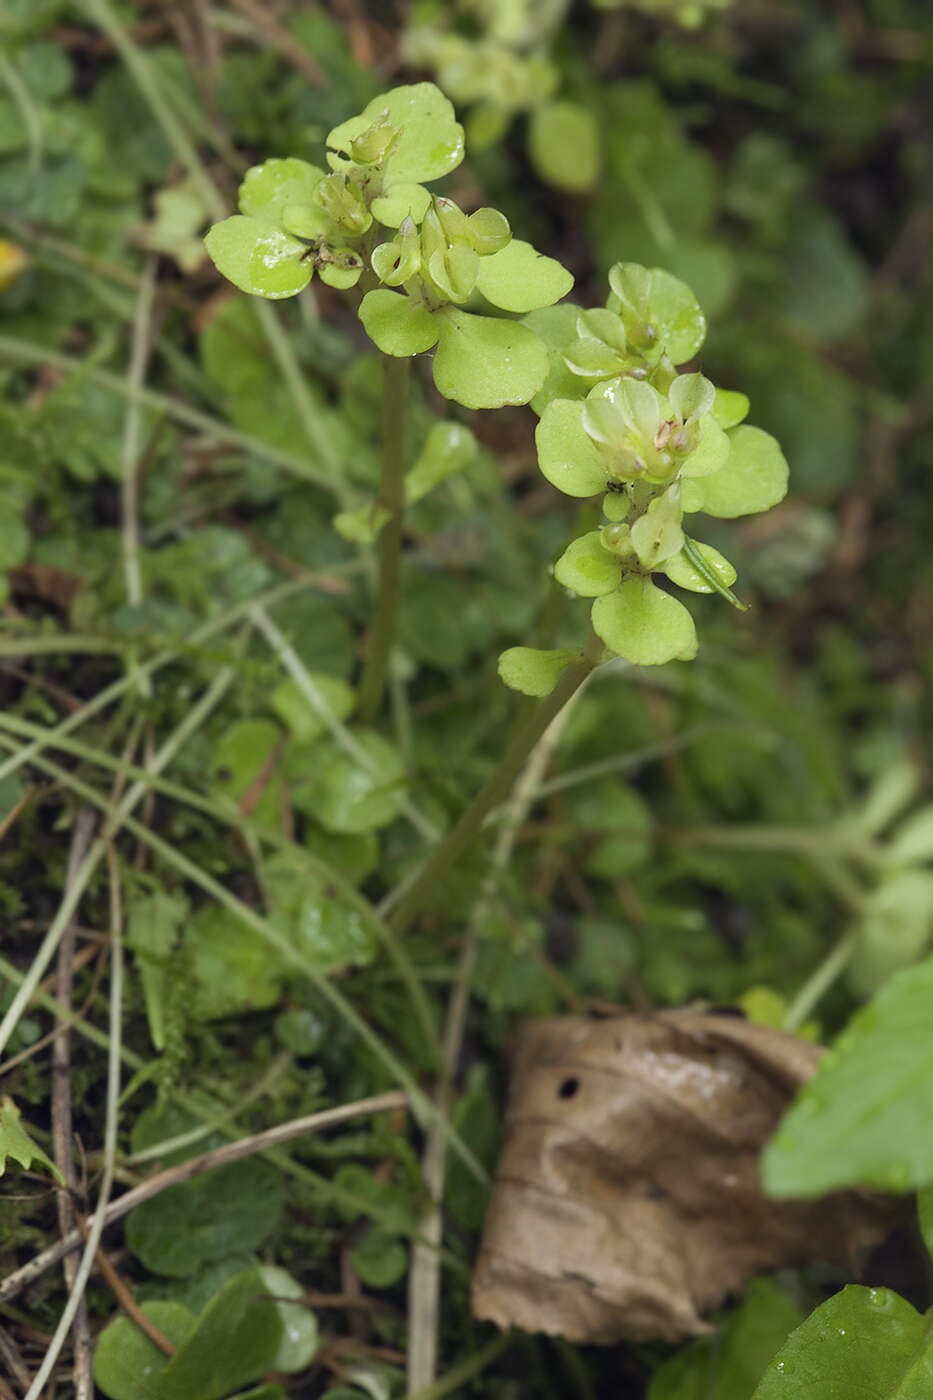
568	1088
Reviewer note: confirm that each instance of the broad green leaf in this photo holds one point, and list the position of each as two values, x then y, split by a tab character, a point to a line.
404	202
644	625
518	278
127	1365
430	142
754	477
235	1341
866	1116
267	189
484	362
894	928
680	571
347	797
567	455
224	1211
15	1142
587	567
296	711
398	324
534	672
152	931
864	1342
258	259
730	408
727	1367
676	313
563	142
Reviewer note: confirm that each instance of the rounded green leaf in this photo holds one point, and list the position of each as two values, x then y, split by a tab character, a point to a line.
267	189
299	1325
398	324
588	568
489	231
563	142
484	362
862	1342
350	796
753	479
380	1259
676	313
225	1211
691	396
534	672
126	1363
234	1342
403	201
340	277
680	571
430	142
567	455
730	407
518	278
657	535
258	258
894	929
644	625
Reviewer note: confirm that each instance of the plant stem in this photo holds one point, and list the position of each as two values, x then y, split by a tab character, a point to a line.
440	862
392	496
819	983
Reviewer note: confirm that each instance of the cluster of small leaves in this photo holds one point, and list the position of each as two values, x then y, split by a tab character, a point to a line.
498	60
617	418
372	218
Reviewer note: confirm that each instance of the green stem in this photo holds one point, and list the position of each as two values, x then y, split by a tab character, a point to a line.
392	497
819	983
437	866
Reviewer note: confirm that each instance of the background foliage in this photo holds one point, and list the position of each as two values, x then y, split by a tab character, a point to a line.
720	830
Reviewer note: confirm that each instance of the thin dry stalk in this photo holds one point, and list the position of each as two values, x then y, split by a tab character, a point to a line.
62	1133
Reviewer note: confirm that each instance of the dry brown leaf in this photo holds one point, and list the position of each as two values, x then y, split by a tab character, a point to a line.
627	1198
